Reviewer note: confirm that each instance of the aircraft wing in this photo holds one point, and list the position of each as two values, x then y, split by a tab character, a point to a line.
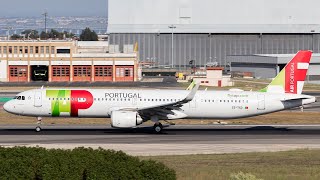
163	110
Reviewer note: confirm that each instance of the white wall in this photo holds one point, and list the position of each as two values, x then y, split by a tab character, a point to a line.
3	71
214	15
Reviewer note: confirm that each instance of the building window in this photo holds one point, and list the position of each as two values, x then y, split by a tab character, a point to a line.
127	72
81	71
15	50
58	71
4	50
31	49
26	49
10	49
63	51
52	50
103	71
124	72
42	49
37	49
47	50
17	72
20	49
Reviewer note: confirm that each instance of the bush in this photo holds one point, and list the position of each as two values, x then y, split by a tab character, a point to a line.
80	163
243	176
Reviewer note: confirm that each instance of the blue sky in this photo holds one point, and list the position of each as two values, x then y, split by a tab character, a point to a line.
34	8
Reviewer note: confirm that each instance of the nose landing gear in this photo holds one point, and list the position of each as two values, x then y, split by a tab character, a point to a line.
38	128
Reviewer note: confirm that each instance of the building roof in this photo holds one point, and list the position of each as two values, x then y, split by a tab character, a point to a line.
269	58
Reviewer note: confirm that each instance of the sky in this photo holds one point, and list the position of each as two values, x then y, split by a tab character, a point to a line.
34	8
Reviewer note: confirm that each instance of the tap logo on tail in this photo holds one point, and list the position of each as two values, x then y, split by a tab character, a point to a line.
291	78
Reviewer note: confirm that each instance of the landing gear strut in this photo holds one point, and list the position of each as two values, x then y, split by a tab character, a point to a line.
38	128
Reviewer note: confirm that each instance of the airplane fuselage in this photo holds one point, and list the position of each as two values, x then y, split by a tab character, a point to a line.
99	103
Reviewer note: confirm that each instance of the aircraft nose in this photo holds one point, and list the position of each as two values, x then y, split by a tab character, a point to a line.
6	107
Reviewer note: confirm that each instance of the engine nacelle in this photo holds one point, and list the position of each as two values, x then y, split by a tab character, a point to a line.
125	119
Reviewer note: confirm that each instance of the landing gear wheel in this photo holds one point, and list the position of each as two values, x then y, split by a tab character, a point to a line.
38	129
157	128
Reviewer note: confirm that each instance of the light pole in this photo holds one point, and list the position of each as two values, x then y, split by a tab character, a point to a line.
172	27
45	14
8	32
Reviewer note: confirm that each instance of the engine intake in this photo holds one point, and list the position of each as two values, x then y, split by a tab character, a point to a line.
125	119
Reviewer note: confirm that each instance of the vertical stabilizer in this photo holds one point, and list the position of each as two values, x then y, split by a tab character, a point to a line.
291	78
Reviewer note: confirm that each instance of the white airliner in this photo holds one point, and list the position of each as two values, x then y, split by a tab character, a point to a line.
129	108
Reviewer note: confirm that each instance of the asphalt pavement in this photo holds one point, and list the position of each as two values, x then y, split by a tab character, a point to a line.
199	139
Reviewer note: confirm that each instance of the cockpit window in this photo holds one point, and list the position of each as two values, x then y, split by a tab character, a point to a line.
20	98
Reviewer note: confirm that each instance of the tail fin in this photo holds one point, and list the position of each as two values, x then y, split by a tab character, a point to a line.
291	78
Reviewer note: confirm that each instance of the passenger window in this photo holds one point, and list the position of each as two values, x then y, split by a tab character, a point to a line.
19	98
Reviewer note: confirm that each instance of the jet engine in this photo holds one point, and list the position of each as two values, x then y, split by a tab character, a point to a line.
125	119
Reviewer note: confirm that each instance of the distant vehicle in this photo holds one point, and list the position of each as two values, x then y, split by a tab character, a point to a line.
129	108
212	64
40	74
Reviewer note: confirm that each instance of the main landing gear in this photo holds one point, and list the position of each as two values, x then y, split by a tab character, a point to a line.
38	128
157	128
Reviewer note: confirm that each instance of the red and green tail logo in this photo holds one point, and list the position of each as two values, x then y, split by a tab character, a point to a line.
291	78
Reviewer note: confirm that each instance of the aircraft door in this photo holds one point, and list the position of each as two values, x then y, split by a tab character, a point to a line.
261	102
38	99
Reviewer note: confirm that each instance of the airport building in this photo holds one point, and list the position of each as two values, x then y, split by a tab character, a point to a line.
171	33
68	61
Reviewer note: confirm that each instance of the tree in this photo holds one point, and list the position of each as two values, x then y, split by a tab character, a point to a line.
31	34
88	35
44	35
15	37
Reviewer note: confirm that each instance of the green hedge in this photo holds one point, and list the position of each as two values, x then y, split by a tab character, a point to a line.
80	163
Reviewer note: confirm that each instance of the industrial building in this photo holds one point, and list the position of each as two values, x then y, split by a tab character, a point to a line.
67	61
170	33
269	65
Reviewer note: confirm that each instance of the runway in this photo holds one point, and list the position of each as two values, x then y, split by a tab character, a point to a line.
199	139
